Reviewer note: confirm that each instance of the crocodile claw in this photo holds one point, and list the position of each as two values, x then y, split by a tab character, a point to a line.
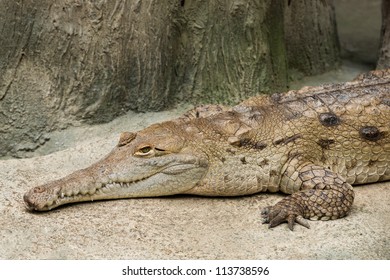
278	214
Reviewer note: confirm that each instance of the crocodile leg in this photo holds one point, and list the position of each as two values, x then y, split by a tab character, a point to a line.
324	195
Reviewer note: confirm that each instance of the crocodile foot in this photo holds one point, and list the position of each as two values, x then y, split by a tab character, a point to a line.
286	210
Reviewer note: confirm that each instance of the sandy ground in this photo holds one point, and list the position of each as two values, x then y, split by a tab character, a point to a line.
181	227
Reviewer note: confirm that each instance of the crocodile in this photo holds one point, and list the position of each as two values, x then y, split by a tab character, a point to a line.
312	144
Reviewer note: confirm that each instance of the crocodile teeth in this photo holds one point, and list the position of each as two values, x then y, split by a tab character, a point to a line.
106	188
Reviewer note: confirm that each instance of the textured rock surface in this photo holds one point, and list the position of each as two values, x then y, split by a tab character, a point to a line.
73	61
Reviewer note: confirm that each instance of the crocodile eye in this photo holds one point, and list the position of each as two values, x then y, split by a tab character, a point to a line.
144	151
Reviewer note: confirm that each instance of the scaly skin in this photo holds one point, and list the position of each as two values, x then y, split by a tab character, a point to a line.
313	144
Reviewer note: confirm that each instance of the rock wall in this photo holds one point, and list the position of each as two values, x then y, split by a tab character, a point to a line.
69	61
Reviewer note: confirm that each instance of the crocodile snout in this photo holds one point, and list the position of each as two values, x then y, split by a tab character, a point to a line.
29	204
30	198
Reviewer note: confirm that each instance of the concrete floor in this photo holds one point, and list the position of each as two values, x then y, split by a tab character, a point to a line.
181	227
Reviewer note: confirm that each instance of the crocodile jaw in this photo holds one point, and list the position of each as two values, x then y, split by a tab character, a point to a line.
172	175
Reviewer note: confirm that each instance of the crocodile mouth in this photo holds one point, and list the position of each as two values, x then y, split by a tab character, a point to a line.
81	195
111	187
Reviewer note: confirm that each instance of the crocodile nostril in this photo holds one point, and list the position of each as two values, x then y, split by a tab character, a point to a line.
39	189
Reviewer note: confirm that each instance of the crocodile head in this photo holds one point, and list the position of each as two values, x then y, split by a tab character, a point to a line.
153	162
